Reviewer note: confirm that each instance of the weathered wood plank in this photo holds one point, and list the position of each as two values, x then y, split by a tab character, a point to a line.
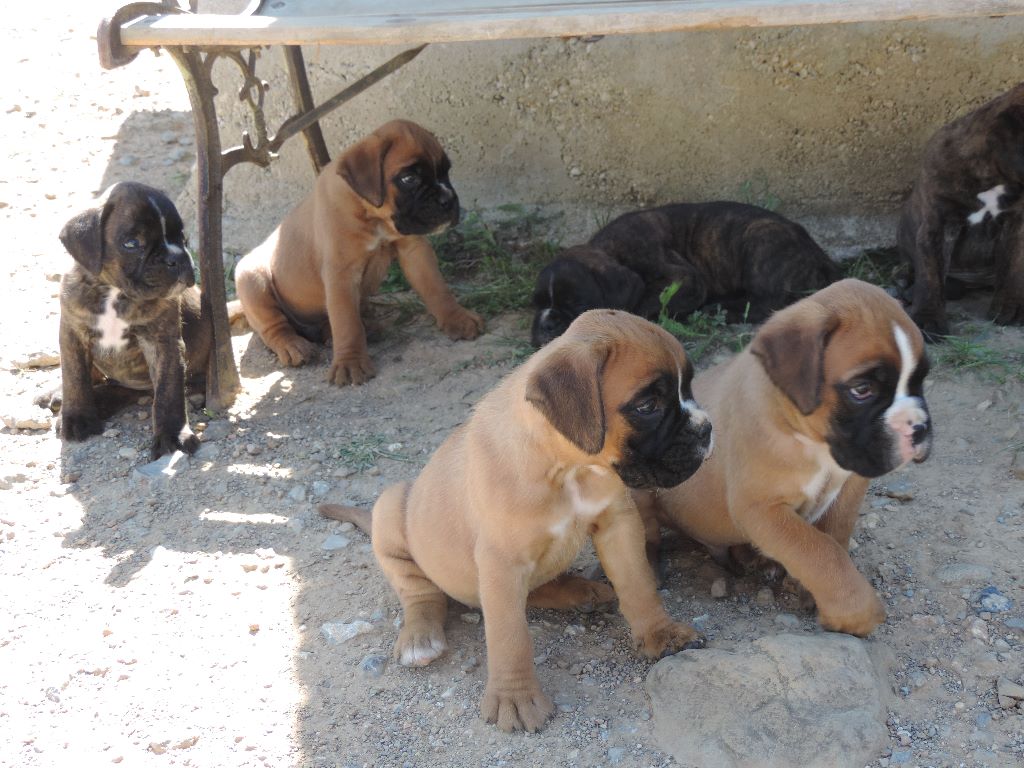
412	22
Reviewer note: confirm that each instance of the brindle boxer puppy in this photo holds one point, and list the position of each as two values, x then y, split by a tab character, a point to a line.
130	315
972	177
504	505
748	259
310	280
828	395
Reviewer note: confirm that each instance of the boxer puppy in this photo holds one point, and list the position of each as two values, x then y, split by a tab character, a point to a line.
972	178
309	281
748	259
505	504
130	316
828	395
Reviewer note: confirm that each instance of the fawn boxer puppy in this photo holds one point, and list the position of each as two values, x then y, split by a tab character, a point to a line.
504	505
130	315
971	179
828	394
310	280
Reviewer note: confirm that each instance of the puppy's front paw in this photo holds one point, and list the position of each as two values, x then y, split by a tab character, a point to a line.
295	351
418	645
857	614
351	370
519	707
76	427
667	639
462	324
169	442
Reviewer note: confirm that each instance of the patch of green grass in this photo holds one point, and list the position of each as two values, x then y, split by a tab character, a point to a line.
881	266
756	191
492	266
968	351
363	451
703	331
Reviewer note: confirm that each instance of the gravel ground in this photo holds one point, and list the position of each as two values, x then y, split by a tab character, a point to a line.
182	621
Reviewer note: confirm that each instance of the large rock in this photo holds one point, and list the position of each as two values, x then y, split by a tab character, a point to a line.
780	701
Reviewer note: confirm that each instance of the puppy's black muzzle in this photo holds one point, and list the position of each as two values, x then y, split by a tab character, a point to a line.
650	462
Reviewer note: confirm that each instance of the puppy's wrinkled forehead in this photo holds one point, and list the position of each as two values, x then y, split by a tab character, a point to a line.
874	329
410	143
137	206
647	351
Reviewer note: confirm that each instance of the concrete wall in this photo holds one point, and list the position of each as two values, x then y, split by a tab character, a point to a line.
827	120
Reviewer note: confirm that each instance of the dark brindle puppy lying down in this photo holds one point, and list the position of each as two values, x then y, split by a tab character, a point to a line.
747	259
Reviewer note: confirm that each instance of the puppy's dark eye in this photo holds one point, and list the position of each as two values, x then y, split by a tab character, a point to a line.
409	180
647	406
131	244
861	391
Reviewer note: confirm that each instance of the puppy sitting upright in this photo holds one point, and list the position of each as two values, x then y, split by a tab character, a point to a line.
130	314
972	179
505	504
748	259
828	395
309	281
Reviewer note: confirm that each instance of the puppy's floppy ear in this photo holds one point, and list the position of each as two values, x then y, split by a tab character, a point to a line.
567	390
362	166
791	347
83	238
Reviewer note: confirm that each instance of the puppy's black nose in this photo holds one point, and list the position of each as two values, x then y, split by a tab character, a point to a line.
703	430
920	432
446	196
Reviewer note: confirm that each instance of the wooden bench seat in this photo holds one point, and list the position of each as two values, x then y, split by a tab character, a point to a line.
364	22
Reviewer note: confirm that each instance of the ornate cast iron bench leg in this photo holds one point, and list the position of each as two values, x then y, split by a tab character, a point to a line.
196	65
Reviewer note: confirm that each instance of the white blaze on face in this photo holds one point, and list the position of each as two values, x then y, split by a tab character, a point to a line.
697	415
111	327
171	247
906	410
989	204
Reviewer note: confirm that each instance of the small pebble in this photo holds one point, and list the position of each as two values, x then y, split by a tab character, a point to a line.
719	588
374	664
334	542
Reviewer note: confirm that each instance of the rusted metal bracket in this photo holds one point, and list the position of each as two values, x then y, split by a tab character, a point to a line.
213	163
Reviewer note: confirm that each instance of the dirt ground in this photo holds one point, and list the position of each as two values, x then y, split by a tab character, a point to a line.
182	622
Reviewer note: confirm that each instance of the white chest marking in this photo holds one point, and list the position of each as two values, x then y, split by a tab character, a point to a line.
111	327
381	235
989	204
823	487
581	508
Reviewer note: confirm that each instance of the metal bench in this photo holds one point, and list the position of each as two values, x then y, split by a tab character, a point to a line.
196	40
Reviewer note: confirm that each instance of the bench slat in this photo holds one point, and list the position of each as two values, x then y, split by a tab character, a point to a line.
408	22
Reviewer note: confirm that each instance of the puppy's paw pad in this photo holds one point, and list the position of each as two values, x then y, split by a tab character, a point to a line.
296	351
462	325
859	615
670	639
76	427
522	708
417	649
356	371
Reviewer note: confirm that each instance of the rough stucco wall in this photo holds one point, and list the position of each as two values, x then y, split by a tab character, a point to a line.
829	120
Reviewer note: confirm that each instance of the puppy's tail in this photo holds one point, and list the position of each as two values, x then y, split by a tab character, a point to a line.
358	516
